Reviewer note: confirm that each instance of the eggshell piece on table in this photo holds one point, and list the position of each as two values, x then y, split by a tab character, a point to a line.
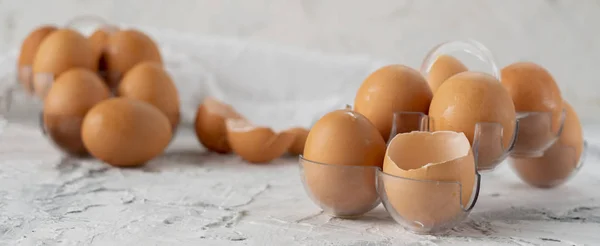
125	49
533	89
301	134
60	51
392	89
126	132
210	124
341	155
27	53
468	98
559	161
73	94
149	82
256	144
444	67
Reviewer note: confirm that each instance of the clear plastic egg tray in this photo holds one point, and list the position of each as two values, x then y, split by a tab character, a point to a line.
283	87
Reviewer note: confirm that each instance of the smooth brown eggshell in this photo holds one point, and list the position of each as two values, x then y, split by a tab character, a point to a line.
210	124
351	149
559	161
468	98
60	51
301	134
27	53
98	41
533	89
256	144
126	132
125	49
149	82
444	67
392	89
73	94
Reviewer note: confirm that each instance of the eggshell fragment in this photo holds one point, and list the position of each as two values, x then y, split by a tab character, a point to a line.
350	149
256	144
60	51
125	49
125	132
559	161
443	68
27	53
468	98
149	82
392	89
533	89
210	124
301	134
73	94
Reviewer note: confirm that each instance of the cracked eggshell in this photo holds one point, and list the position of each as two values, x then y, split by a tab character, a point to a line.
533	89
73	94
210	124
126	48
444	67
350	148
559	161
468	98
27	53
256	144
301	134
391	89
125	132
60	51
149	82
429	156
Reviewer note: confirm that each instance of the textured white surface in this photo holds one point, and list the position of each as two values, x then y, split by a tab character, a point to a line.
559	34
192	197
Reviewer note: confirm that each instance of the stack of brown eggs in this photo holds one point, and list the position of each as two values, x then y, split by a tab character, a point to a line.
107	95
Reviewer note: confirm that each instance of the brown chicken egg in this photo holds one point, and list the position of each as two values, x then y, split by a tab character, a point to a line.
444	67
468	98
149	82
73	94
256	144
27	54
559	161
60	51
417	161
301	134
98	40
125	49
210	124
125	132
533	89
392	89
341	155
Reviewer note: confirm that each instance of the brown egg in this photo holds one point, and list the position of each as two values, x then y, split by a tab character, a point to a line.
469	98
125	132
444	67
559	161
301	134
533	89
60	51
127	48
343	151
98	40
256	144
391	89
210	124
27	53
149	82
73	94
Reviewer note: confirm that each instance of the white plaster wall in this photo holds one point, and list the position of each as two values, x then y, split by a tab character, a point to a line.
561	35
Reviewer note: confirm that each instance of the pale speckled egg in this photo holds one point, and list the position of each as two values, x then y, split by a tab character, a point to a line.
392	89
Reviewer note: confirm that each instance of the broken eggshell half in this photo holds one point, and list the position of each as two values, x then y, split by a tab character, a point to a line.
300	136
210	124
429	182
256	144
